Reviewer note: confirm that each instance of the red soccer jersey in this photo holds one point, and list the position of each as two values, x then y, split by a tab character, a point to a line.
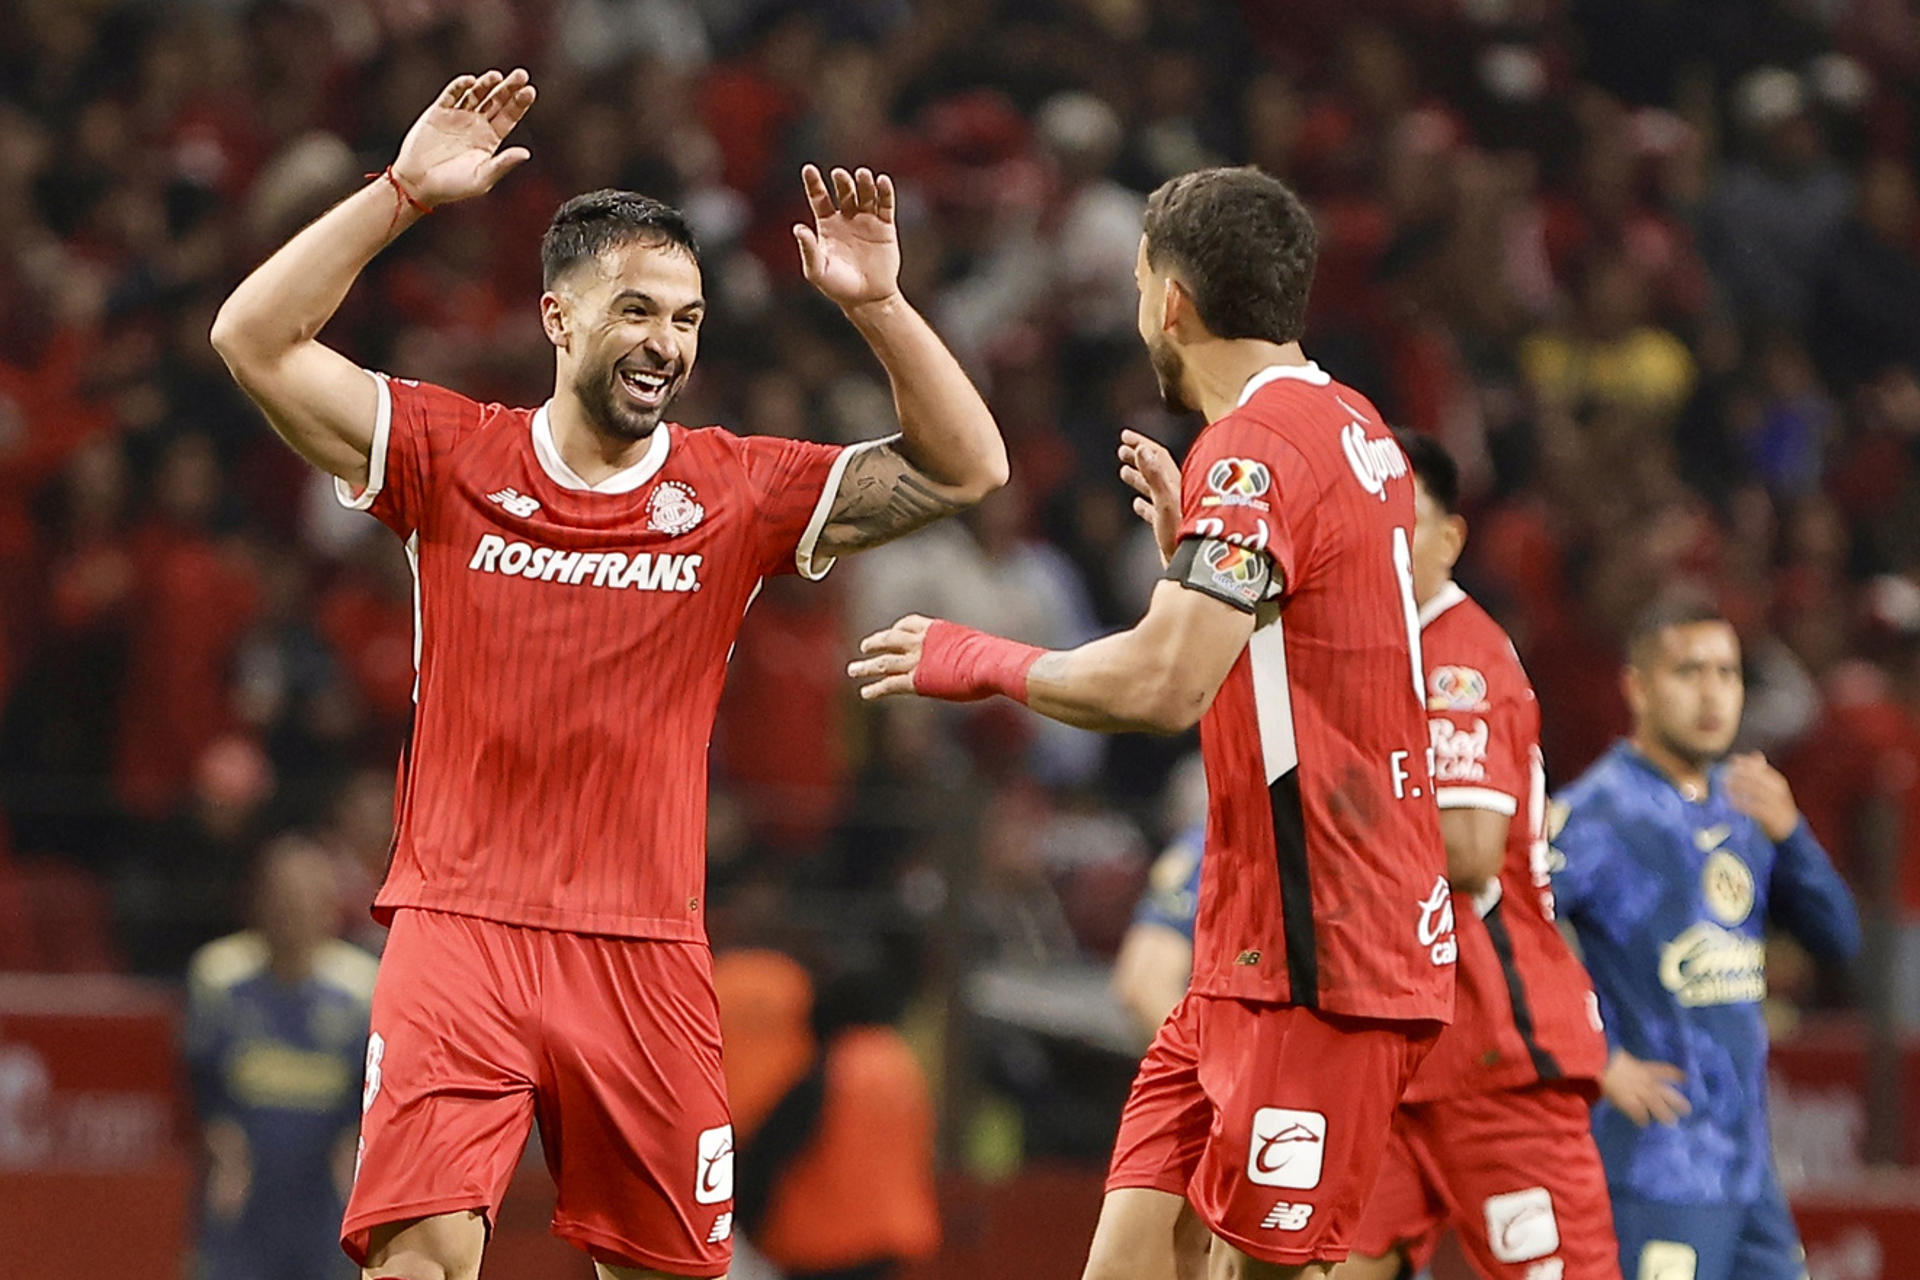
1525	1011
1324	881
571	643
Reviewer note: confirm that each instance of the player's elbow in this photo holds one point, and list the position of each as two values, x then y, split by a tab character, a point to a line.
1171	704
989	472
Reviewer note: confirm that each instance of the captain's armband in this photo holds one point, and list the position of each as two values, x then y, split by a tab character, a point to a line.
1236	575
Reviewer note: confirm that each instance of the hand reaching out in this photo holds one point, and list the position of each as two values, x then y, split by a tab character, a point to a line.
1644	1091
452	152
1760	791
1151	472
851	253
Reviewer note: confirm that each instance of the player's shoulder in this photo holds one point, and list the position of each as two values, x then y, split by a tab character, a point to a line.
346	968
1459	632
225	963
1610	789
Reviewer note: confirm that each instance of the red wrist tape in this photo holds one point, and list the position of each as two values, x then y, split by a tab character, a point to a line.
959	664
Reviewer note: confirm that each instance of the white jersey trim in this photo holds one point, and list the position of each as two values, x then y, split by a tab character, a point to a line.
376	453
811	568
1309	373
626	480
1442	600
1476	798
1273	699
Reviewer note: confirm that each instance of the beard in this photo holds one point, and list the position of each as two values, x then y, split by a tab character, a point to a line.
1169	372
1689	747
608	408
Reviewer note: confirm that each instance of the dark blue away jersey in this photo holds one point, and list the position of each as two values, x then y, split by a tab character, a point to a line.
1670	899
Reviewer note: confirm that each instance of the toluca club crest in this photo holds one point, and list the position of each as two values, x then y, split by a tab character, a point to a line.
672	509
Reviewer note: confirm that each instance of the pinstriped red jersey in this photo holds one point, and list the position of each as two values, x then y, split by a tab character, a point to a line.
571	643
1525	1010
1324	881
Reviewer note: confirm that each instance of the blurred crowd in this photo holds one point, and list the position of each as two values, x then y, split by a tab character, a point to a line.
1651	271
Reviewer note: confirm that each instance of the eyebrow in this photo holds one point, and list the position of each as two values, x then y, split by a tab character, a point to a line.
634	295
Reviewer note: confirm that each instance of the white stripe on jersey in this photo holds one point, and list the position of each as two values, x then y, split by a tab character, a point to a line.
1273	698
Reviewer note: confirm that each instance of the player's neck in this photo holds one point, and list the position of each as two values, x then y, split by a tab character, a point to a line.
1688	777
1218	370
593	454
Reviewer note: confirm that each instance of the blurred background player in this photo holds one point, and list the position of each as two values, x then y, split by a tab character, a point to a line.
1155	960
1493	1133
1324	942
276	1035
1672	858
581	573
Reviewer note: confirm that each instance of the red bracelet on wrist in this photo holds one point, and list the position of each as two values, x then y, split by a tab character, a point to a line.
405	197
959	664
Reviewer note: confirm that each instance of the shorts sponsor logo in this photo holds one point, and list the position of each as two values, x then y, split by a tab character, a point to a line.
1459	754
1726	883
1708	965
1456	689
713	1173
617	570
1667	1260
672	509
1436	924
1521	1226
1374	460
1287	1216
722	1229
1237	482
1287	1148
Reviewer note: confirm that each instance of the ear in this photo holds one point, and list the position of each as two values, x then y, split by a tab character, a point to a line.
1176	305
1456	531
553	318
1633	690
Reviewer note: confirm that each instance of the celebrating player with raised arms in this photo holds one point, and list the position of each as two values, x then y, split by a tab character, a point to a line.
1672	860
581	571
1323	947
1493	1132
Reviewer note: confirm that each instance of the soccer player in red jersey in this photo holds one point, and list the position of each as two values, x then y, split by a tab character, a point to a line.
1323	946
1493	1132
581	571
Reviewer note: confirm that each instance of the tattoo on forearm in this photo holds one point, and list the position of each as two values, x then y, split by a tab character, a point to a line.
882	497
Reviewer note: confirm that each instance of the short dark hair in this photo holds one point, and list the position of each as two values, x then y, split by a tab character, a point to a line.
1676	609
590	224
1438	473
1243	243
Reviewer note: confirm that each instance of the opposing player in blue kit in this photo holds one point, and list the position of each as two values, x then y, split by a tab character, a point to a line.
1672	859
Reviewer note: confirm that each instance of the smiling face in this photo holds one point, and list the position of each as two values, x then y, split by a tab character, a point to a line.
627	325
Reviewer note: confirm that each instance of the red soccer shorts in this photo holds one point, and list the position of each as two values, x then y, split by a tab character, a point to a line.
1270	1119
1515	1173
612	1044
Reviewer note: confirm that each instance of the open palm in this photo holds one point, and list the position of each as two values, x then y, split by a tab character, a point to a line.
453	149
851	253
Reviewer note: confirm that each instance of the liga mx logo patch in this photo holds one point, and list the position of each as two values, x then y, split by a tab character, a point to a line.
672	509
1456	689
1236	570
1287	1149
1237	482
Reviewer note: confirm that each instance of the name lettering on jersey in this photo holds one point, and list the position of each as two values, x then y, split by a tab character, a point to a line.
1436	924
1708	965
1215	528
1459	754
1456	689
1287	1216
515	502
672	509
1726	886
641	571
1374	459
1237	482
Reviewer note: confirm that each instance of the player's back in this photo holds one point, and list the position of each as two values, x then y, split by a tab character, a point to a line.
1325	879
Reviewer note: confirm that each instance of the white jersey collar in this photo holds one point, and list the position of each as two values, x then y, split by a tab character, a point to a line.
1443	599
625	480
1309	373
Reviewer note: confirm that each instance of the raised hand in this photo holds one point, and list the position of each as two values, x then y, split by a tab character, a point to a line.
1760	791
1152	474
892	656
453	150
851	253
1644	1091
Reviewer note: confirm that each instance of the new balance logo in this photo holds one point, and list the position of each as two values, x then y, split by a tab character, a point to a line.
515	502
639	572
1285	1216
722	1228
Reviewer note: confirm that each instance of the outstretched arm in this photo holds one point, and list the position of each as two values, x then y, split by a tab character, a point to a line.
268	329
1158	677
948	454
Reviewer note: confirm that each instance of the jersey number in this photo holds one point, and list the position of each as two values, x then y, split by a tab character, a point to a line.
1403	567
